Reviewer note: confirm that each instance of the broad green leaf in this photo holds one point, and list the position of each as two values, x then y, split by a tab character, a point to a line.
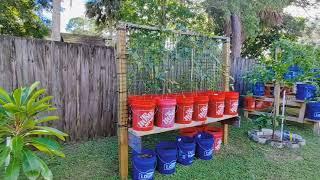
48	146
17	96
17	145
31	165
13	170
45	171
4	95
61	135
43	100
46	119
39	108
11	107
34	97
33	87
4	154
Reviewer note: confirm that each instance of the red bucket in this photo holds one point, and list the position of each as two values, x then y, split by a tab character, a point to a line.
184	110
249	103
216	105
217	134
200	108
142	115
190	132
231	103
166	109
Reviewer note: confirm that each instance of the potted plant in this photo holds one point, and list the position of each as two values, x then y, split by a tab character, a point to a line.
23	114
249	102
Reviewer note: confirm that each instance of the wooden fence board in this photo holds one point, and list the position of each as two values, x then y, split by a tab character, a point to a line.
82	79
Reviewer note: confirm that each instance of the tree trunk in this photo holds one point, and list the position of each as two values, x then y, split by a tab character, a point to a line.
55	34
236	42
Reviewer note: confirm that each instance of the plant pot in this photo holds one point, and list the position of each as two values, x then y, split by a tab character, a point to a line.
313	110
305	91
258	89
249	103
259	104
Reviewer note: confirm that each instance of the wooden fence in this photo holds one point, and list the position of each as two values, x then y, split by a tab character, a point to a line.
239	68
82	79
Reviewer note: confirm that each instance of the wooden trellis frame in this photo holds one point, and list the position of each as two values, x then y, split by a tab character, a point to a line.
123	95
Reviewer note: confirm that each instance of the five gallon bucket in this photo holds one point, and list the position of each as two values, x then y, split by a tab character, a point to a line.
216	105
231	103
143	165
217	134
305	91
166	157
190	132
186	150
184	110
166	112
249	103
258	89
313	110
204	146
200	108
142	115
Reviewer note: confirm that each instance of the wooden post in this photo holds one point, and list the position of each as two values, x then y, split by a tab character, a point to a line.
226	77
122	100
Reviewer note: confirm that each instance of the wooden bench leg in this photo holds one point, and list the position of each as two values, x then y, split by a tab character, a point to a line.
246	114
225	133
316	128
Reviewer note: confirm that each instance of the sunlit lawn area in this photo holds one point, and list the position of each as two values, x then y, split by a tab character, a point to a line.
241	159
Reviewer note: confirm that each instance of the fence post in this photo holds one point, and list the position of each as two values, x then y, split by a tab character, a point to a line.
226	78
122	102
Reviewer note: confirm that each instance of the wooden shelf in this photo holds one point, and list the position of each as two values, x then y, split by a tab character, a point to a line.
176	126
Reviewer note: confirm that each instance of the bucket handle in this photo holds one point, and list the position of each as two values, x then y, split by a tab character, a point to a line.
163	160
155	165
155	111
205	148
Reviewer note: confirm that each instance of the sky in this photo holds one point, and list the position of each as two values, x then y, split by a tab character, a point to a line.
77	9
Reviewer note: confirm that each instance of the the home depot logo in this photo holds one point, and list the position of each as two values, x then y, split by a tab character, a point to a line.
145	119
146	175
203	111
316	114
183	155
208	152
168	116
188	113
234	106
169	166
220	108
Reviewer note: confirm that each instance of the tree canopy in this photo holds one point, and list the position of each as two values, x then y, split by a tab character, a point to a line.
21	18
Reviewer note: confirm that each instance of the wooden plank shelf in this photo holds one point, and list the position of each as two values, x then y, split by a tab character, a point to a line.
176	126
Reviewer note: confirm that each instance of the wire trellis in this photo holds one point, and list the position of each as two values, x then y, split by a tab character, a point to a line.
168	62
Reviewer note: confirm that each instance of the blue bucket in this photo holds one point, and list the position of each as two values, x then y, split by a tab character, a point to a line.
166	157
305	91
258	89
313	111
293	72
144	165
204	148
186	150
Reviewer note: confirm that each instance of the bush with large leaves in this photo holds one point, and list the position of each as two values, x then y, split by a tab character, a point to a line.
22	115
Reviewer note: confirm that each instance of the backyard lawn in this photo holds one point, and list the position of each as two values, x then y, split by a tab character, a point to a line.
241	159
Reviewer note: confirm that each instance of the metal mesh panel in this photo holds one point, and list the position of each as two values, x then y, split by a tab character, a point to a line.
166	62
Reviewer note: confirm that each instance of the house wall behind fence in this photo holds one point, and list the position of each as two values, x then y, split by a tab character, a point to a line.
81	78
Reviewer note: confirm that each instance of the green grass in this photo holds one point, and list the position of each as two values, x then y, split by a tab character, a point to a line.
240	159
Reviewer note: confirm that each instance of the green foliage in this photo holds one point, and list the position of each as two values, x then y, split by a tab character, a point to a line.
266	121
19	18
258	74
291	29
156	56
22	114
82	26
290	54
247	9
170	14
